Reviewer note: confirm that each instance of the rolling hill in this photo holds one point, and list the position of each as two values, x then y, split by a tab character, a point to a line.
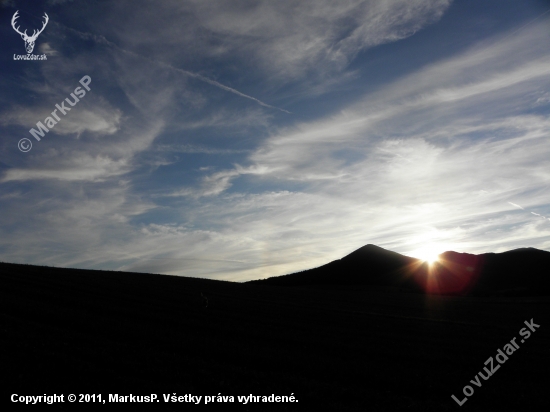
339	347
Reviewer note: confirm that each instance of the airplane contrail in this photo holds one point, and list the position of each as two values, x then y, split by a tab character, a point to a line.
533	213
101	39
527	24
513	204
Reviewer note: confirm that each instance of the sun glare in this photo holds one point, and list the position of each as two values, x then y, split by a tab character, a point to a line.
428	254
430	258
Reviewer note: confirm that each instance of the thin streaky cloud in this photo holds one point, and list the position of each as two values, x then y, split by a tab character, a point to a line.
217	84
101	39
125	255
156	174
527	24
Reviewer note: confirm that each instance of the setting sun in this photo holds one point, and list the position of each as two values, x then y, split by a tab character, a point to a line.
428	254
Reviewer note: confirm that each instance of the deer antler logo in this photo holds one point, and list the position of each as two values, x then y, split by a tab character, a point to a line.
29	40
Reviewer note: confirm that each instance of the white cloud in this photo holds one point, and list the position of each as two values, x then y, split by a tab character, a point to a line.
76	167
46	48
291	38
437	156
427	105
287	39
402	173
86	120
98	120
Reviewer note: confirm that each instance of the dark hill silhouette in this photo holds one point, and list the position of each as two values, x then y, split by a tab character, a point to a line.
369	265
522	271
344	349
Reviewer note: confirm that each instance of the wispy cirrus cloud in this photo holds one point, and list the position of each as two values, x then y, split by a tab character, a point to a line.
172	174
402	167
99	120
102	40
419	106
291	39
288	40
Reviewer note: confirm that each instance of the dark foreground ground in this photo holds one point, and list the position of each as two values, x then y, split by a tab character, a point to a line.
360	349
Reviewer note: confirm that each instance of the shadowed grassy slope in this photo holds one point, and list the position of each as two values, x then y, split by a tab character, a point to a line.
75	331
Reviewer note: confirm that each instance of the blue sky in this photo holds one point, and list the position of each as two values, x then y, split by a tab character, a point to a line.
243	139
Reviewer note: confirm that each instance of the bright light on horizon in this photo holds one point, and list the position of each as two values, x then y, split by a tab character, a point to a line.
428	253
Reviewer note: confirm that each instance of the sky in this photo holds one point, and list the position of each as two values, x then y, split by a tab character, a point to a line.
243	139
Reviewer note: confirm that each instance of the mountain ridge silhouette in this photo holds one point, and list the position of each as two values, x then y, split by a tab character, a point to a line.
522	271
